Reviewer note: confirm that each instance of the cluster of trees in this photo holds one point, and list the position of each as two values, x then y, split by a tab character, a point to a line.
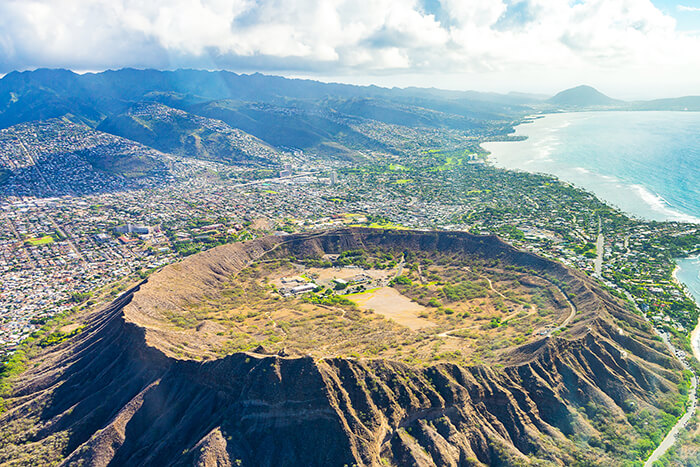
360	258
328	299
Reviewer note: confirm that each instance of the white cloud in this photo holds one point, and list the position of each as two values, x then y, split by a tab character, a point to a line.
345	37
688	8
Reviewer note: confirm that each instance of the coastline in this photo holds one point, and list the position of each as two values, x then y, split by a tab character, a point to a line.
672	436
551	148
650	206
557	144
695	333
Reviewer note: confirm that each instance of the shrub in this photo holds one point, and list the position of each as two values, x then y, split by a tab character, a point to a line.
401	280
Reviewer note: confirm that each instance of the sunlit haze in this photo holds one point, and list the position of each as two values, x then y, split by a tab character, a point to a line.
626	48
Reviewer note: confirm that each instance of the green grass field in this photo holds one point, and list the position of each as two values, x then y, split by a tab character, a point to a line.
364	292
45	240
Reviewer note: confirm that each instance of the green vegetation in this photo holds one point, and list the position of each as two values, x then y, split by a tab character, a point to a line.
648	426
182	133
47	335
58	337
45	240
13	367
401	280
465	290
80	297
471	318
435	294
328	300
512	204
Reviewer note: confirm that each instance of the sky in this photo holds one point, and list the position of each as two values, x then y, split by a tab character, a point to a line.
626	48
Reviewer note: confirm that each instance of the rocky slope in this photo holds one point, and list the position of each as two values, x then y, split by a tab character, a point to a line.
114	395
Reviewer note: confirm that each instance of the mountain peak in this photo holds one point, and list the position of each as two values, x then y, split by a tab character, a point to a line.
581	96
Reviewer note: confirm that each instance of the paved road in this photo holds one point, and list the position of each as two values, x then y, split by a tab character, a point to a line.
672	435
600	250
278	179
33	163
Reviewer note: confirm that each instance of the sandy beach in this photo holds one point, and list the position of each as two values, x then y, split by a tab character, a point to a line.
695	334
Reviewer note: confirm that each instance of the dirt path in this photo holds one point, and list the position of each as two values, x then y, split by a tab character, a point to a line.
420	275
447	333
565	323
274	323
488	280
494	290
399	270
572	313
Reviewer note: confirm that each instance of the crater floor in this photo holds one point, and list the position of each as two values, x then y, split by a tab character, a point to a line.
414	306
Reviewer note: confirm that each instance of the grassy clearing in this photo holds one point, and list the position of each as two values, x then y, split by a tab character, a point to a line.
364	292
45	240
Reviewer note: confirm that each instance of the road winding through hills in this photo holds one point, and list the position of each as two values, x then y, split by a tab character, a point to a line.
672	435
600	251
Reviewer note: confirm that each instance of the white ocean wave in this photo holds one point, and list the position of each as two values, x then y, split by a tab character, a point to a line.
660	205
547	150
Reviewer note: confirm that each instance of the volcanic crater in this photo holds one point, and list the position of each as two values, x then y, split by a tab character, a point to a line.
348	347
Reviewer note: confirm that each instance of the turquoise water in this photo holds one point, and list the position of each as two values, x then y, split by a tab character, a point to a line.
689	274
645	163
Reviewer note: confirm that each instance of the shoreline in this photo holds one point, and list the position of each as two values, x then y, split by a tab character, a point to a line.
672	436
541	141
533	156
695	333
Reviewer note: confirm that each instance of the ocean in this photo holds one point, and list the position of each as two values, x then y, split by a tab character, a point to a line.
689	274
645	163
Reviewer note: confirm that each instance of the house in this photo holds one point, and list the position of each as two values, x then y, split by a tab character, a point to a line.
133	228
102	237
303	288
361	279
